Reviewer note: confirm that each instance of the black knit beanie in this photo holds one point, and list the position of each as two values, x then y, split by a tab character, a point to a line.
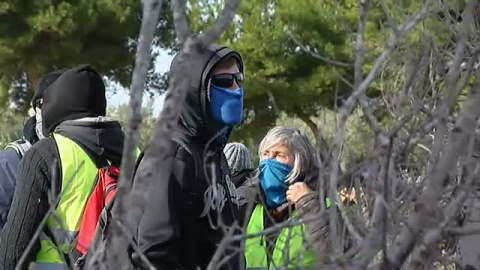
44	83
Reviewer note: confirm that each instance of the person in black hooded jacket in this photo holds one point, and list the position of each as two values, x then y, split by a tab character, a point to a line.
73	106
179	227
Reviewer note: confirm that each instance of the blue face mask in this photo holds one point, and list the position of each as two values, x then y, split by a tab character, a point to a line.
226	106
272	180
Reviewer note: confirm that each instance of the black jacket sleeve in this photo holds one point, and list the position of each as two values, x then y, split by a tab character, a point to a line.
29	205
308	208
158	233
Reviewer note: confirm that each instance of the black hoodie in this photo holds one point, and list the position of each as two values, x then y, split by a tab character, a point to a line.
73	106
176	230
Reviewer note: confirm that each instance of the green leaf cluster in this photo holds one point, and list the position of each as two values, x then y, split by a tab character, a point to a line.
39	36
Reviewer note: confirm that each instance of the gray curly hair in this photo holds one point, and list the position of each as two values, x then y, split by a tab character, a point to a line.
298	144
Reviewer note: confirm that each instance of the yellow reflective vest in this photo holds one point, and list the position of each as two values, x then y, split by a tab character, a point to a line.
290	251
79	177
79	174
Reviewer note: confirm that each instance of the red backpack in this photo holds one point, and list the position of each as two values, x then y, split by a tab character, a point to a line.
102	194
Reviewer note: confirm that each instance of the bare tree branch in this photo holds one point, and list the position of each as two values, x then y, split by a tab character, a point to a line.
316	55
221	24
465	127
391	43
179	9
360	46
422	255
151	11
373	240
386	192
377	128
358	91
390	46
214	262
450	98
390	21
464	231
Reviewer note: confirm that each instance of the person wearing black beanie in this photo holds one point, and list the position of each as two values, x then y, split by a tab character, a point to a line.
72	109
44	83
33	130
10	157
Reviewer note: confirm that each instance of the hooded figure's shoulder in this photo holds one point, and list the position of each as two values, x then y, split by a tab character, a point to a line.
179	150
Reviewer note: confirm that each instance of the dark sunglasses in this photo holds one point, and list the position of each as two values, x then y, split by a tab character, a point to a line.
225	80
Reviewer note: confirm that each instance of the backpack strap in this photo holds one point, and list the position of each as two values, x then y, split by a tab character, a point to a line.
107	210
20	146
99	236
137	164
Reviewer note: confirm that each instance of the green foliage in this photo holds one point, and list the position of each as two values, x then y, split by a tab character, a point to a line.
11	126
281	78
37	37
120	113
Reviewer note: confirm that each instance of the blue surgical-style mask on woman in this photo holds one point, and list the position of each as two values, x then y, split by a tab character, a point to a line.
272	180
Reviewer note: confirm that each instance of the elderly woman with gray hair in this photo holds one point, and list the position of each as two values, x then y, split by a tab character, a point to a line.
280	191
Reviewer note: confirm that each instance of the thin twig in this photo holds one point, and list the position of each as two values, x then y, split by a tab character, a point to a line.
316	55
360	46
221	24
465	127
372	120
221	247
386	197
451	88
422	254
360	90
390	21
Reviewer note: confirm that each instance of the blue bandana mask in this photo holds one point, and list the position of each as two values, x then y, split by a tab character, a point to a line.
272	180
226	106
